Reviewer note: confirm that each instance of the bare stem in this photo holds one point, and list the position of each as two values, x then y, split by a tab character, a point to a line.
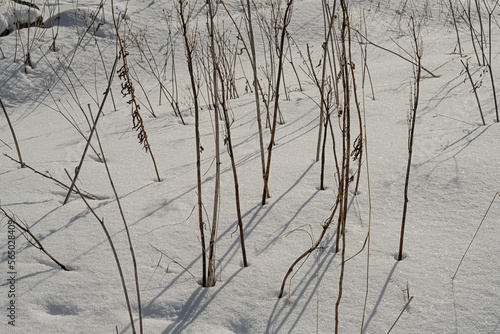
13	134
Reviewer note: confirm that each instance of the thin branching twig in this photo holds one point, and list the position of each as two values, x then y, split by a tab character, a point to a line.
24	228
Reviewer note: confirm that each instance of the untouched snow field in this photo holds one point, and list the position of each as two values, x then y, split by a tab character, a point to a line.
454	177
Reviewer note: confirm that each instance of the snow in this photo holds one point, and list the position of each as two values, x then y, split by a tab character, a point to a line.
454	178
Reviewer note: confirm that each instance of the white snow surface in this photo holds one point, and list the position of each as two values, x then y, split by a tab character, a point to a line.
454	177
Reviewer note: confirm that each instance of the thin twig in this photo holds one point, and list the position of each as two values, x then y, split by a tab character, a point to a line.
25	229
129	239
79	168
171	259
326	225
474	89
84	193
400	314
13	134
394	53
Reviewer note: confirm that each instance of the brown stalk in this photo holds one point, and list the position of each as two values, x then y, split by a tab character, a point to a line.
215	92
189	55
129	239
228	142
400	314
286	21
415	35
345	64
253	61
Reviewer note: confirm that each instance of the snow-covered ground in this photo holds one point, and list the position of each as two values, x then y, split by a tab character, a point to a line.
454	177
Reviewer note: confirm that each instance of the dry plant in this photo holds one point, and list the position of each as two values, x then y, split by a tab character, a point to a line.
328	24
411	61
459	45
307	253
33	24
100	112
287	16
141	43
55	32
162	254
58	105
89	23
228	56
347	83
215	95
174	90
365	70
368	237
400	314
475	86
416	39
346	68
129	239
13	134
50	177
136	79
256	83
105	70
184	12
328	87
220	84
92	23
269	19
129	90
27	234
490	11
479	41
230	151
71	81
341	61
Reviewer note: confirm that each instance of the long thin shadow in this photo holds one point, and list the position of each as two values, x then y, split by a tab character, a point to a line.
233	250
454	145
286	226
252	223
381	295
278	201
195	306
454	306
